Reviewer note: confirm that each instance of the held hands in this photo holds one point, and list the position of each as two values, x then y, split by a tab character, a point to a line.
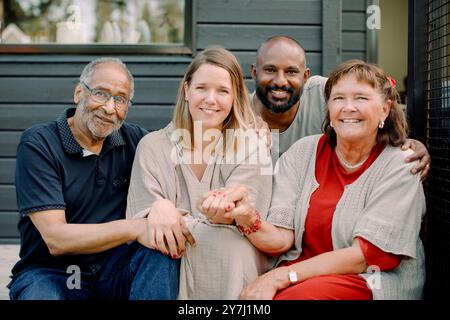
165	230
216	206
421	154
228	205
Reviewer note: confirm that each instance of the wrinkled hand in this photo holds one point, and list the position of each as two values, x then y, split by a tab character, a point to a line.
166	230
421	154
264	287
245	213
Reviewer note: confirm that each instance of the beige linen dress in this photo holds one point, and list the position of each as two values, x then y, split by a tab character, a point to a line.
223	262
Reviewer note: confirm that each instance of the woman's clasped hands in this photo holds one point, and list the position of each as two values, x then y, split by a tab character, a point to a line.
229	205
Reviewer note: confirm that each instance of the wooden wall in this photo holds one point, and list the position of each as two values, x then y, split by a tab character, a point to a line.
36	88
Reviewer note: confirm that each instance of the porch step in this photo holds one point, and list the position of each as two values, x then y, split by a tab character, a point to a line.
9	255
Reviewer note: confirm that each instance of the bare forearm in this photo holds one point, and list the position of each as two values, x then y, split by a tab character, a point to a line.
271	239
343	261
92	238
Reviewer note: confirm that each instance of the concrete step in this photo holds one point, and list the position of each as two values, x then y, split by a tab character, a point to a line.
9	255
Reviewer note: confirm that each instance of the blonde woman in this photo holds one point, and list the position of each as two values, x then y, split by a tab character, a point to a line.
210	144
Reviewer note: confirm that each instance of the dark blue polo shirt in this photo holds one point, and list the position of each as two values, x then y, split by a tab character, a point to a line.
54	172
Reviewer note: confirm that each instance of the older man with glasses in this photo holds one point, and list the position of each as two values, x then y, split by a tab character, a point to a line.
72	178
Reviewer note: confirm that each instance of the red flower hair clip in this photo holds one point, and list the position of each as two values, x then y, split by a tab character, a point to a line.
392	82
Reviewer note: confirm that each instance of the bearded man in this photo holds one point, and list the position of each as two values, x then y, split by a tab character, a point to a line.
292	102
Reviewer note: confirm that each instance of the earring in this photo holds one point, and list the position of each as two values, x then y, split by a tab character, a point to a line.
381	125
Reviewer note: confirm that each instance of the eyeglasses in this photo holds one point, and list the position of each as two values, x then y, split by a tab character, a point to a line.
101	96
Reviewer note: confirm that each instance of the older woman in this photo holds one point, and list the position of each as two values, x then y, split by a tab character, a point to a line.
346	212
202	149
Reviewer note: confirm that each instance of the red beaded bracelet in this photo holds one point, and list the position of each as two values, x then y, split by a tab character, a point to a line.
255	227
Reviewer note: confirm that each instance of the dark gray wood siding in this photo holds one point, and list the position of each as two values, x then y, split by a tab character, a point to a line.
354	37
36	88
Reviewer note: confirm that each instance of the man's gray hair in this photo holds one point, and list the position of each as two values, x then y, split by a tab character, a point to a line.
88	70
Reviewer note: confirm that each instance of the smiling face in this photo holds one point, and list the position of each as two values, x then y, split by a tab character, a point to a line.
99	119
356	109
279	74
210	96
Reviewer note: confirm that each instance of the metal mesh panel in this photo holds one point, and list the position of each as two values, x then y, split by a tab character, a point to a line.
437	103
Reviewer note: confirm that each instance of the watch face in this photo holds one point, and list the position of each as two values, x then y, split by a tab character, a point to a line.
293	277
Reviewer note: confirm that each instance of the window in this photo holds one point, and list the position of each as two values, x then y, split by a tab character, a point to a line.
116	26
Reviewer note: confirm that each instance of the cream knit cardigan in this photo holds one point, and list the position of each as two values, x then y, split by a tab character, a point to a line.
385	206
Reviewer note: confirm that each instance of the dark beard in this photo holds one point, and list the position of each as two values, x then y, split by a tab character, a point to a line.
262	95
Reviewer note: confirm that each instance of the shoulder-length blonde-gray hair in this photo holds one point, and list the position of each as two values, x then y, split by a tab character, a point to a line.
241	115
395	130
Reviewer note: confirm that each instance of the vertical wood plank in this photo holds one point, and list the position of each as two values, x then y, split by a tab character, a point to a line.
372	37
331	35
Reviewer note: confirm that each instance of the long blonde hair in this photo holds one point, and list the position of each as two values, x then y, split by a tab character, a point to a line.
241	115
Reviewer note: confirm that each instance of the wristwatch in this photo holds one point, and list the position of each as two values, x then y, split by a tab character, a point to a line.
293	278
